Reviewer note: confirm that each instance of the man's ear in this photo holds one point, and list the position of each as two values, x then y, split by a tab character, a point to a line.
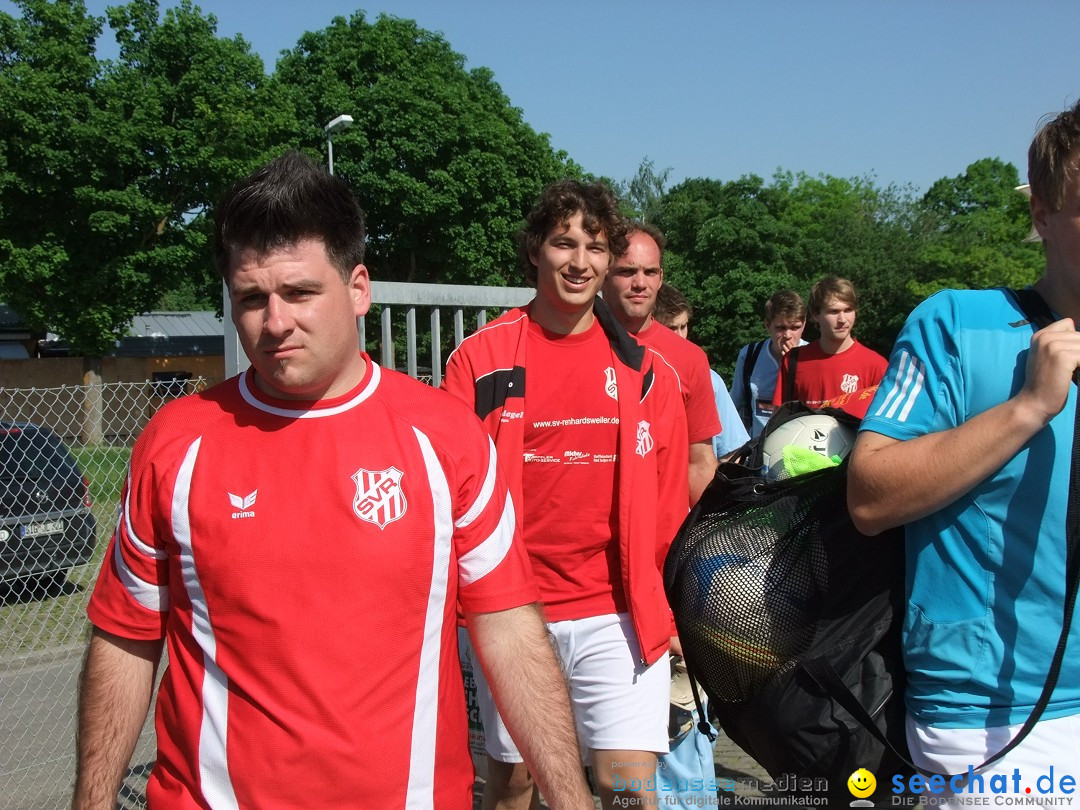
1039	212
360	289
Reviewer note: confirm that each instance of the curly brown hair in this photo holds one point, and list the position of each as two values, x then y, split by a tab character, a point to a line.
559	202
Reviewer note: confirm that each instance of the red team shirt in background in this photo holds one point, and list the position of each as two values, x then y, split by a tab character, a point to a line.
820	376
691	365
568	475
304	562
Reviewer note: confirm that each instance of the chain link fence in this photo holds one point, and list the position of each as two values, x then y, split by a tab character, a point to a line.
63	458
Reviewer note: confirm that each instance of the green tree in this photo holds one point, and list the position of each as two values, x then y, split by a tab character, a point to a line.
853	229
974	229
110	167
732	245
728	249
642	193
444	166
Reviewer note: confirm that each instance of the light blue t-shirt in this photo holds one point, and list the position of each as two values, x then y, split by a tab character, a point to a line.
762	385
985	574
732	435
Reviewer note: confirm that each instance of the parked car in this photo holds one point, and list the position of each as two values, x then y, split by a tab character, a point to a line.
46	525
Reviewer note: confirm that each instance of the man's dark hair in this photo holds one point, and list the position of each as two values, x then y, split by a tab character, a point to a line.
651	231
559	201
286	201
1053	157
670	303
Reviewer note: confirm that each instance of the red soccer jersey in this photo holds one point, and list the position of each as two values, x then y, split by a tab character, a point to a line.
304	562
568	476
820	376
692	367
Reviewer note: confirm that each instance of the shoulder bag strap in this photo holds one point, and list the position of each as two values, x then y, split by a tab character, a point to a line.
752	352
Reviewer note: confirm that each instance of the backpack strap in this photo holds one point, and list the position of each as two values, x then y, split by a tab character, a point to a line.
749	361
1033	306
789	378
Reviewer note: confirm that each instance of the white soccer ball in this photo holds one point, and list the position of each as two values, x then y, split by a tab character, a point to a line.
822	434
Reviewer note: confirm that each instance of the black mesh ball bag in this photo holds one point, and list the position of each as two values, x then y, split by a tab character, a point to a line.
782	606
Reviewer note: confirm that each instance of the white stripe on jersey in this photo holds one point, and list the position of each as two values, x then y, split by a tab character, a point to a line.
143	548
482	499
150	596
910	377
486	557
214	780
310	413
421	789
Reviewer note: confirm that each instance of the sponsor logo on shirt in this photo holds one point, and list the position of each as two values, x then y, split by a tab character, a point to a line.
644	439
605	458
510	416
379	497
536	458
611	388
576	457
243	505
850	383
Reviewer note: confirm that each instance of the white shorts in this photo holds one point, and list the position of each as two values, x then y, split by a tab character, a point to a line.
1053	746
619	704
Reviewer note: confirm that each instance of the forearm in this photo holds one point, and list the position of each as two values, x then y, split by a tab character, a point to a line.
530	691
114	695
702	468
892	482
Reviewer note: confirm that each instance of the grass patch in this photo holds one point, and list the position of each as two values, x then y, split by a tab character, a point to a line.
106	467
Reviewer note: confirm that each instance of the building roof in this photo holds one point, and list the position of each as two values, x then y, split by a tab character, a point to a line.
177	324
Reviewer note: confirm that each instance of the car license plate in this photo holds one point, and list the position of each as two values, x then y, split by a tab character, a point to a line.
43	528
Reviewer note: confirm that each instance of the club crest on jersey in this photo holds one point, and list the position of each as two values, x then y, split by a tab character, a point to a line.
611	388
379	498
850	383
644	439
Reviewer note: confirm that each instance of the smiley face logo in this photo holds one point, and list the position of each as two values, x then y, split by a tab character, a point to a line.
861	783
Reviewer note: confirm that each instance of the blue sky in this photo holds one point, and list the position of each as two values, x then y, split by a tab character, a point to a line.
906	91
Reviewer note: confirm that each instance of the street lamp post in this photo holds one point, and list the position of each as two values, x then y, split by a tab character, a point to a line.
338	124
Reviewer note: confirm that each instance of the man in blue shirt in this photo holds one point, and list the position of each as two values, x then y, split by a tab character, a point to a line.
968	442
758	364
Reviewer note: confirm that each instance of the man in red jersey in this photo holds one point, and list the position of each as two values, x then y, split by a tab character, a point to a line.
630	290
302	536
835	363
591	429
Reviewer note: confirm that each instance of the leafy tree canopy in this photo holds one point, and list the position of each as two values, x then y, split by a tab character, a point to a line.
110	166
444	165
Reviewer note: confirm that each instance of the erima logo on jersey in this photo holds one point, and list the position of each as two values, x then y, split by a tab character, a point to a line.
243	505
379	497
